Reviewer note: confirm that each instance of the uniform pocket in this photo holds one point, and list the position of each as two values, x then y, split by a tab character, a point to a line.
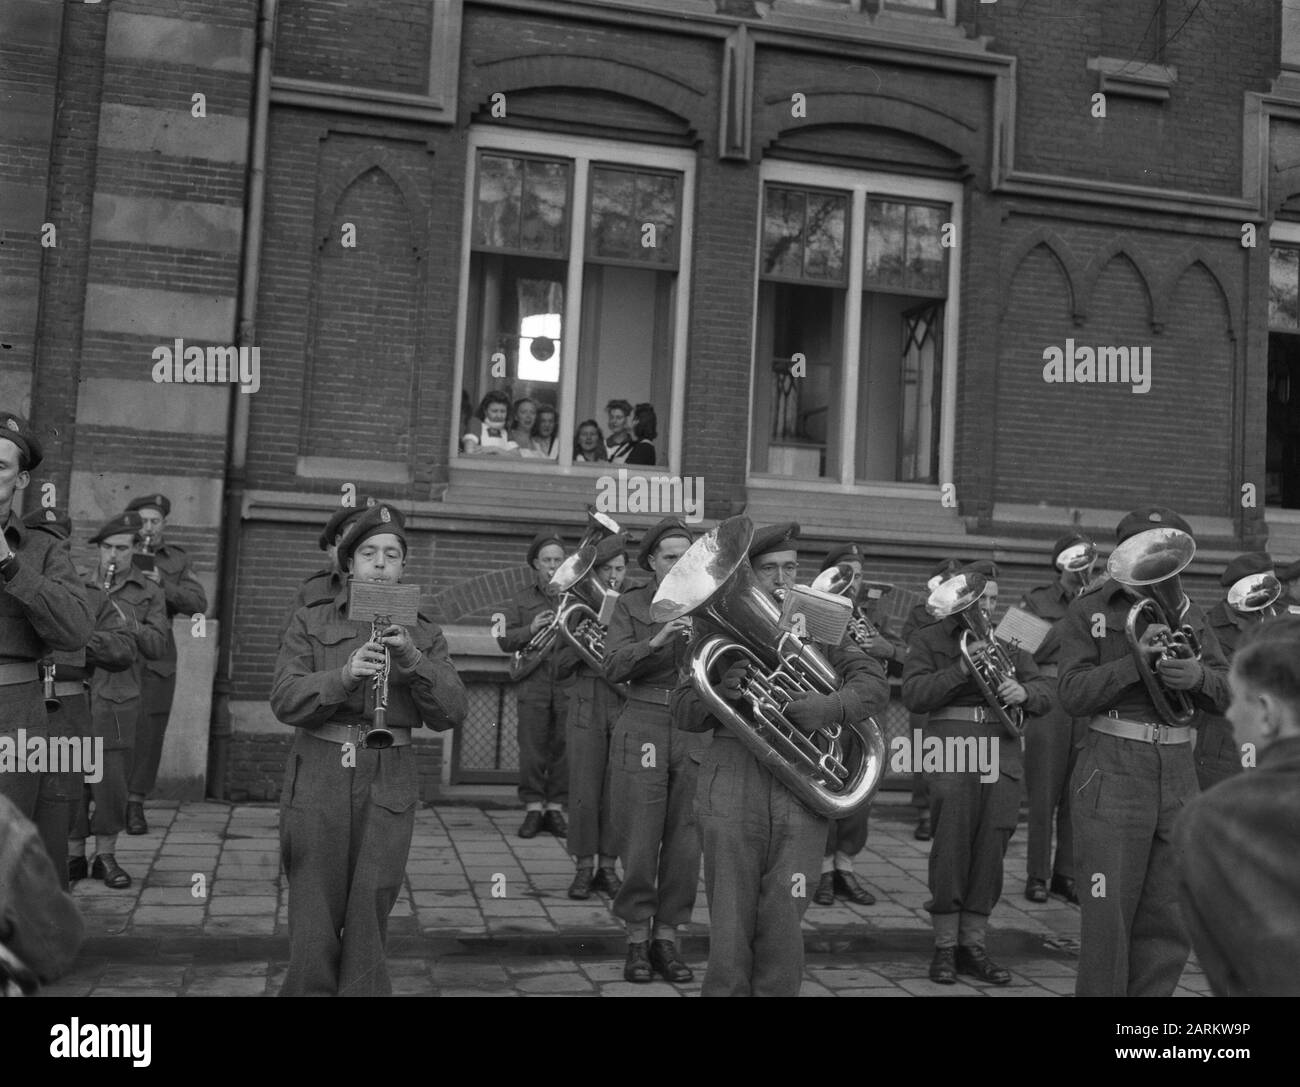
1087	797
290	780
398	791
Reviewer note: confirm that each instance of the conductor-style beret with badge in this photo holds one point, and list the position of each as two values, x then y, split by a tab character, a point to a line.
19	431
664	530
780	537
159	502
1139	520
374	521
124	522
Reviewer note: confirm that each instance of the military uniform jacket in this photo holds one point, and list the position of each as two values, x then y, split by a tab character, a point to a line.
865	690
1240	880
1230	627
141	604
43	606
1049	603
629	656
184	595
308	689
1100	674
321	586
917	618
524	606
112	643
934	677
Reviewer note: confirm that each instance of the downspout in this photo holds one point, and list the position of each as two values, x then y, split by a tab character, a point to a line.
241	402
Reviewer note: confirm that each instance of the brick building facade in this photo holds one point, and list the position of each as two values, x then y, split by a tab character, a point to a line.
827	180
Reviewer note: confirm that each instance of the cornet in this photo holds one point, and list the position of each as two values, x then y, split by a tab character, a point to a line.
991	665
524	662
1148	564
714	579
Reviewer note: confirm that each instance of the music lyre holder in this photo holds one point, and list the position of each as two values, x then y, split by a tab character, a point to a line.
381	604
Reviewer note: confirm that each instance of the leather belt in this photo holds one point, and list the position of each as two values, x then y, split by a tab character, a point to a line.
646	692
68	687
979	714
355	734
19	672
1146	732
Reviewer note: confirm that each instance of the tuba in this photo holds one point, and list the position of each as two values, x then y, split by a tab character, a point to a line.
524	662
990	666
714	579
1255	593
1148	565
843	581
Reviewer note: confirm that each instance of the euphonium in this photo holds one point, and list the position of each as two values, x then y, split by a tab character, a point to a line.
714	579
991	665
581	621
1255	593
844	581
524	662
379	736
1148	564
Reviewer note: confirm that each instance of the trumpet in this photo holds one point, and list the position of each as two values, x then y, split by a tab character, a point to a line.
1148	564
109	574
524	662
379	736
52	702
1255	594
844	581
991	665
832	772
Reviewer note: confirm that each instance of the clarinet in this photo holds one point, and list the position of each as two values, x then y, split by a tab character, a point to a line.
378	736
109	575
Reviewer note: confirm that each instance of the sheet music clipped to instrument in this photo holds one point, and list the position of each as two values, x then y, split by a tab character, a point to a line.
825	615
1025	630
371	600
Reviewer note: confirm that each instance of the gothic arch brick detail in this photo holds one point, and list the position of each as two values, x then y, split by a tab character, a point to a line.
1117	248
358	166
1059	249
1213	268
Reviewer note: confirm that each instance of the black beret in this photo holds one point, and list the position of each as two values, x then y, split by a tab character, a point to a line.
1254	562
668	527
158	502
843	553
336	524
19	431
374	521
1139	520
1287	571
610	548
987	567
126	521
1067	541
539	541
776	538
54	520
946	567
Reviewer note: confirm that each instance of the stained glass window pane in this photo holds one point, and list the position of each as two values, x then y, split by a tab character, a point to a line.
783	233
886	232
925	255
624	204
803	234
545	200
824	251
496	218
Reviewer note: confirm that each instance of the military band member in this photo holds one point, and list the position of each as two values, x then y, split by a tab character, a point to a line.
42	608
973	819
347	812
919	617
1238	842
761	844
326	583
542	698
184	595
112	647
653	767
594	705
846	838
1217	754
115	695
1131	777
1050	740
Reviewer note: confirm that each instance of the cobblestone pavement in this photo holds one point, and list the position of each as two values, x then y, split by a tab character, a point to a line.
484	913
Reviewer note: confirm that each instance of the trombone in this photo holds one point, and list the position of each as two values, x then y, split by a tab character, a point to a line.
1148	564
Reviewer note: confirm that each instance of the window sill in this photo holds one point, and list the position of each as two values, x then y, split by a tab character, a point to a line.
1125	79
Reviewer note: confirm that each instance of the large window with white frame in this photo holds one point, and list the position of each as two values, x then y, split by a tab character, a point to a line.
855	327
573	295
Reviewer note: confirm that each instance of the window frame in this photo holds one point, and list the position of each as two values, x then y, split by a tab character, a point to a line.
1285	233
583	152
860	184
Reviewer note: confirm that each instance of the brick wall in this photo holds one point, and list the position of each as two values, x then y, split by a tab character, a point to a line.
356	41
